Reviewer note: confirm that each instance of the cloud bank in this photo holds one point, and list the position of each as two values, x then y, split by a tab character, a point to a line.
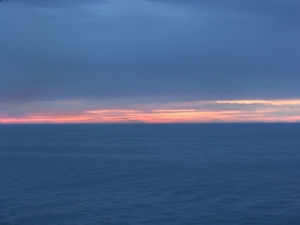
162	51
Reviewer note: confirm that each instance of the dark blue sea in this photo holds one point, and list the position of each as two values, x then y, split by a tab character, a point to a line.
150	174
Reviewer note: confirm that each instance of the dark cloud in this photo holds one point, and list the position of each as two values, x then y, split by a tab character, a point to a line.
212	50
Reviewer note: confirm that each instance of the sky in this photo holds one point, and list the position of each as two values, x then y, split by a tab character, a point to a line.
153	61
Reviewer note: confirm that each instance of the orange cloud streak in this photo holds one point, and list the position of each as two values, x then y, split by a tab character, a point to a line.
268	111
151	117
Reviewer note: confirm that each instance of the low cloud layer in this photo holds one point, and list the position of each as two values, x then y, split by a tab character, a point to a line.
175	112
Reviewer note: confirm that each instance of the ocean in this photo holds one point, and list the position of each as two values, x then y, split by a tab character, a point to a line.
150	174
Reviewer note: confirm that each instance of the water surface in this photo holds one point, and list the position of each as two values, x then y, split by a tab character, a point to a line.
150	174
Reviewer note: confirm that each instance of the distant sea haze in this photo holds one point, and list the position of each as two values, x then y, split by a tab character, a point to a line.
150	174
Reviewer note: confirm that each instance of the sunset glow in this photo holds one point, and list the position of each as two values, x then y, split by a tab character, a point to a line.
198	112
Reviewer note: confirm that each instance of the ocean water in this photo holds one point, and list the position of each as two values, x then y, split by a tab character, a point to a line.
150	174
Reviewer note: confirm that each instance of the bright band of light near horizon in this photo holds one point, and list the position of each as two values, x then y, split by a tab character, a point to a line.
181	112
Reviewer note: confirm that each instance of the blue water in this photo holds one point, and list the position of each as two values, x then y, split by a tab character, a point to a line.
150	174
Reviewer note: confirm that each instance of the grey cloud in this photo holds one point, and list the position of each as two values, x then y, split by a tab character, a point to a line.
284	13
139	48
